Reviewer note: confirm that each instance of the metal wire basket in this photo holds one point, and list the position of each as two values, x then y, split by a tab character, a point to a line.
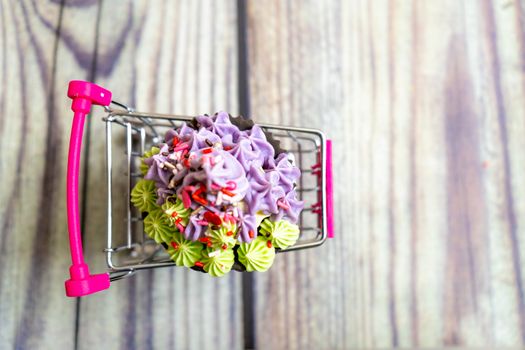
129	134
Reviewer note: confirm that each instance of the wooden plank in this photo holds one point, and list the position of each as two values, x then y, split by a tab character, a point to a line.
36	59
177	57
424	103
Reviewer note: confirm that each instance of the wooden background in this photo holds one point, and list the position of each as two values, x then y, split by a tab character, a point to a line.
424	101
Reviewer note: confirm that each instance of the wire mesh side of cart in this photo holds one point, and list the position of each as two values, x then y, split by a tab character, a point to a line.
129	134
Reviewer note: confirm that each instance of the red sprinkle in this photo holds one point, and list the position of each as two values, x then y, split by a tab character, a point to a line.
282	204
174	214
224	246
199	191
175	245
229	233
175	141
227	148
186	199
228	193
200	200
181	146
209	244
207	150
269	244
213	218
229	218
199	264
204	240
251	234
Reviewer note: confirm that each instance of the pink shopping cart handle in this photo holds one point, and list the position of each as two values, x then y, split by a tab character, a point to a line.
84	95
329	190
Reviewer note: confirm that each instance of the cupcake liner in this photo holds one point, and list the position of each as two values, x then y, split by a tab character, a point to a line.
246	124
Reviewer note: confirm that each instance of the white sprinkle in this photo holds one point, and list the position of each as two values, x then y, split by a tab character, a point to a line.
169	165
196	211
219	198
179	166
214	253
235	198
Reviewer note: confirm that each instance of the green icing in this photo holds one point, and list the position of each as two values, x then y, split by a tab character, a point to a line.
184	252
148	154
220	264
174	210
282	233
256	256
157	227
144	196
220	236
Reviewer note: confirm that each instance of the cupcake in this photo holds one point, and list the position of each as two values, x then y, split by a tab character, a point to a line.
219	193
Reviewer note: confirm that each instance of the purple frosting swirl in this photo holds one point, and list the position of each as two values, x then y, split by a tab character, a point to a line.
213	165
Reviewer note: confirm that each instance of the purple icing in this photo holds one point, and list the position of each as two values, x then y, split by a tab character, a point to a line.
261	146
247	223
194	230
288	173
245	154
265	191
216	166
219	174
294	208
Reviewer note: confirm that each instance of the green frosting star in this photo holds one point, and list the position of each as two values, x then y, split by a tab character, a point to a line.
157	227
219	263
144	196
184	252
223	236
257	255
282	233
148	154
175	210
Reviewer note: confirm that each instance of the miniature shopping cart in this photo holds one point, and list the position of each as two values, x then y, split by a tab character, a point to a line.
128	135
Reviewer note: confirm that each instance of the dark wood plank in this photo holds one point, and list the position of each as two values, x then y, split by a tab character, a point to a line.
175	57
36	62
424	102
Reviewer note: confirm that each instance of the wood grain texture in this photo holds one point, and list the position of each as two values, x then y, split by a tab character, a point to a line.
175	57
424	102
34	127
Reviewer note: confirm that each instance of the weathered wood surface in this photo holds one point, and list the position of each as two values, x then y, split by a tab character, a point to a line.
190	67
34	133
424	101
